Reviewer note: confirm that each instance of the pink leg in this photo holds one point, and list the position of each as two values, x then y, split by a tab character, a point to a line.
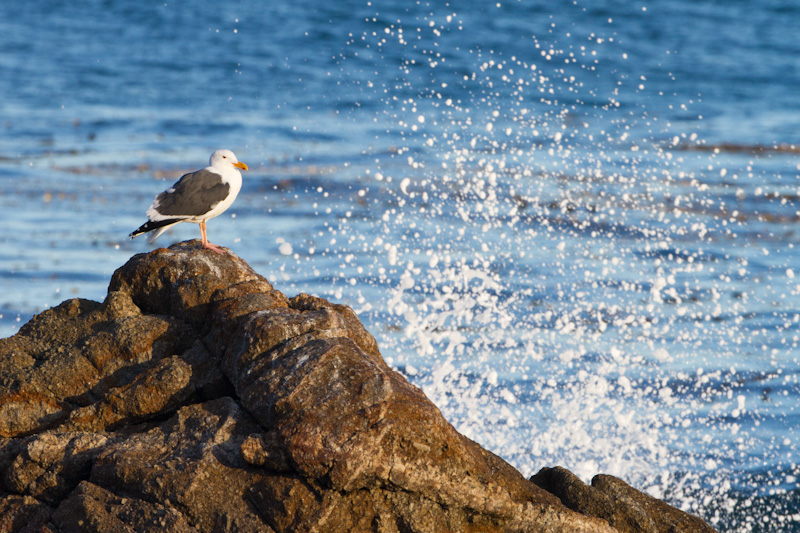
206	244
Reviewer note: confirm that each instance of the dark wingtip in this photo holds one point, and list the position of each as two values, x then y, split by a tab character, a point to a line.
151	225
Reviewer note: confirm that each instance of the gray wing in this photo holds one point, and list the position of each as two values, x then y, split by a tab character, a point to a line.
195	194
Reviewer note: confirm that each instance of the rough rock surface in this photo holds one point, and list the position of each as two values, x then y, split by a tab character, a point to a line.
198	398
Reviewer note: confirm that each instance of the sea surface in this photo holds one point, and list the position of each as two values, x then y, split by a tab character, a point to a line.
574	224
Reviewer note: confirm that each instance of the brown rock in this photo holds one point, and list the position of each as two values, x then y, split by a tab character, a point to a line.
180	281
190	463
93	509
23	514
666	517
265	450
73	354
50	464
610	498
196	397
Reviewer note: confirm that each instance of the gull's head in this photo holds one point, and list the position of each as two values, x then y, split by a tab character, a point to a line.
223	158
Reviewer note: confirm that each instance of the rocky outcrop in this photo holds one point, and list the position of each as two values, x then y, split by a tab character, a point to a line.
196	397
610	498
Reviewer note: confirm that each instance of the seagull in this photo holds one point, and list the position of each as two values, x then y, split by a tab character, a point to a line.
196	197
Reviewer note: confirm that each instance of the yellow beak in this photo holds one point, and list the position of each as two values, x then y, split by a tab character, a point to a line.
241	165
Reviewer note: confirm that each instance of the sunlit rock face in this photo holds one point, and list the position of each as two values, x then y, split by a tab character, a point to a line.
197	397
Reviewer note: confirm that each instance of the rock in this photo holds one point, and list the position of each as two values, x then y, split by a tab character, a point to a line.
190	463
196	397
610	498
23	514
92	508
266	451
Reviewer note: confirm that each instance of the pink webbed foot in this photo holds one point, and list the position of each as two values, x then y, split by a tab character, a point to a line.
214	248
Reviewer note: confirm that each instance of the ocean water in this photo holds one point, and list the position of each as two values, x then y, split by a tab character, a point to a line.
575	225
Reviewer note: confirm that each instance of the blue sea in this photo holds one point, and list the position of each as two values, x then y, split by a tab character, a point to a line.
575	225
